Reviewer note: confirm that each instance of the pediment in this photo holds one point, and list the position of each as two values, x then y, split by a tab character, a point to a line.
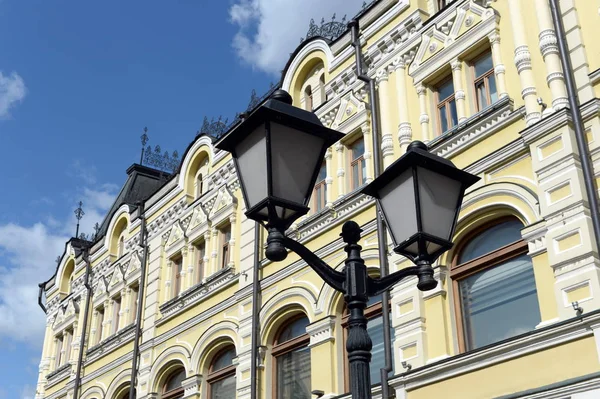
224	200
349	106
176	233
199	217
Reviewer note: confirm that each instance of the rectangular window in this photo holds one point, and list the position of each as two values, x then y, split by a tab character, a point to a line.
446	105
68	338
116	315
200	250
358	166
134	303
99	325
59	345
177	269
225	238
485	81
320	194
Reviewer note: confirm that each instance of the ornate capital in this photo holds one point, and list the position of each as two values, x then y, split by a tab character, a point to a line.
456	65
404	133
421	90
399	63
494	37
498	69
424	118
382	75
459	95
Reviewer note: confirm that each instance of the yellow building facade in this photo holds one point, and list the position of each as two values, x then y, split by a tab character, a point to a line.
479	81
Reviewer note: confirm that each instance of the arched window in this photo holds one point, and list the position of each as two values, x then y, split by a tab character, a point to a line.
292	360
320	190
495	286
221	375
374	315
172	388
199	185
308	98
66	282
121	248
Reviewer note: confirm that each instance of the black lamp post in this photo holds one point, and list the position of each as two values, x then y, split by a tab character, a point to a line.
278	151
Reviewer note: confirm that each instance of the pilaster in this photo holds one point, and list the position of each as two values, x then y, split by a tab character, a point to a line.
323	354
233	230
424	117
191	261
523	63
365	128
191	387
387	144
404	127
499	68
459	92
549	50
214	255
329	178
339	148
184	274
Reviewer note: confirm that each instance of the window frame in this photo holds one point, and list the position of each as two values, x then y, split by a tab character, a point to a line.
308	98
177	270
116	317
352	162
439	104
218	375
283	348
100	324
322	195
199	253
485	78
485	261
224	246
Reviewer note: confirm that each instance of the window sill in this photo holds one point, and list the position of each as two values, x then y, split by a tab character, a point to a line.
116	340
221	279
476	128
58	375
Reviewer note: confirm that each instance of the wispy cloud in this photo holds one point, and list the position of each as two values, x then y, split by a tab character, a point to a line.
269	30
12	92
27	254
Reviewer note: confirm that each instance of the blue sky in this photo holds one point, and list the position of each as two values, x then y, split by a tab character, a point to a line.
78	82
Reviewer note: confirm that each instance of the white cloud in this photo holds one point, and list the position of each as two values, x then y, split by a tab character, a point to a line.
269	30
12	91
28	392
27	255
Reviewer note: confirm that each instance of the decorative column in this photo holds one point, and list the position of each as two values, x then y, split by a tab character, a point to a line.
54	352
232	229
404	128
191	275
215	252
322	345
71	351
126	306
339	148
183	277
523	64
169	276
459	93
365	128
424	118
63	350
549	50
329	179
499	69
387	143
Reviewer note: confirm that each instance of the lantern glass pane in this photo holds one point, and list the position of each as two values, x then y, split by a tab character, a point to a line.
438	196
397	199
432	247
412	249
295	155
251	155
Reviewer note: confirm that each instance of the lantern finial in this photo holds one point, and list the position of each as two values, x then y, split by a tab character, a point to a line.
417	145
283	96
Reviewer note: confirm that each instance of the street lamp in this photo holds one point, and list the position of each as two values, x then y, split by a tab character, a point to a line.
278	151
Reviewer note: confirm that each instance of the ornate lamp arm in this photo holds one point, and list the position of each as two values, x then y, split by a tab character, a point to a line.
377	285
331	276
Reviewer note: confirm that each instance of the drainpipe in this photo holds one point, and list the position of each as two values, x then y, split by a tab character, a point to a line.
381	232
88	298
255	311
582	147
138	317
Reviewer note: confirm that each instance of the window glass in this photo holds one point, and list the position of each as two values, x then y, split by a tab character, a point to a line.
375	330
445	90
499	302
483	65
293	330
293	374
491	239
224	388
224	359
175	380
